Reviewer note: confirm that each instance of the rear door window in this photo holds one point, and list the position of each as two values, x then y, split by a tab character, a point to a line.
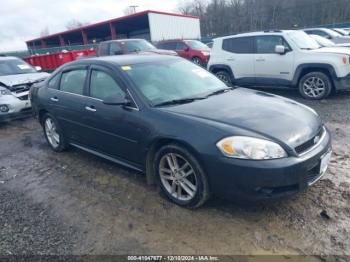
53	82
180	46
239	45
169	45
73	81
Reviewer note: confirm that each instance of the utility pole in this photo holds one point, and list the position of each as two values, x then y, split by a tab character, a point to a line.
133	8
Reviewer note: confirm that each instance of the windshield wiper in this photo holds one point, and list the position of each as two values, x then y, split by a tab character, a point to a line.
179	101
220	91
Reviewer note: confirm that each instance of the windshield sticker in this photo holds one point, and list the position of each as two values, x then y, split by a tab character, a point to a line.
23	67
126	68
201	72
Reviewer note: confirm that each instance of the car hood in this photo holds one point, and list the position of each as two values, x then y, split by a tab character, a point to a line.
268	115
160	52
13	80
333	50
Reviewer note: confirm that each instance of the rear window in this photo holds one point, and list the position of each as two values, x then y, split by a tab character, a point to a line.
239	45
168	45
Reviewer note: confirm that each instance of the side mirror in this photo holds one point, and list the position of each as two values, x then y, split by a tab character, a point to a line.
329	37
187	49
116	101
280	49
38	68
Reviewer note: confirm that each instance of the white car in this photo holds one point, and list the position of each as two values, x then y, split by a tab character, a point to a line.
281	58
326	42
16	78
330	34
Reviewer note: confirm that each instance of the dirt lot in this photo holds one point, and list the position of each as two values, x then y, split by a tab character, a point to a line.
76	203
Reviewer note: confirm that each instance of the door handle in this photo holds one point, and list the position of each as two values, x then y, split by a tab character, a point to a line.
230	59
54	99
260	60
90	108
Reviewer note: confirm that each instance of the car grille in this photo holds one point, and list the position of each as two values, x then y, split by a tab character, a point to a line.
313	175
20	88
23	98
310	143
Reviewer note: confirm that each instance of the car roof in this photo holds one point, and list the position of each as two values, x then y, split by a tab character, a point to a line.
4	58
123	40
129	59
257	33
177	40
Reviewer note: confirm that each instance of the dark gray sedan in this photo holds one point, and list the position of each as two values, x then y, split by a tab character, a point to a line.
183	127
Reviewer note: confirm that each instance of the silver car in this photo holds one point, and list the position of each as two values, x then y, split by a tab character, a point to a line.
16	78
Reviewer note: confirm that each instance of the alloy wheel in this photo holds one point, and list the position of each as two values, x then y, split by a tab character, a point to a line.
314	87
178	177
223	78
51	133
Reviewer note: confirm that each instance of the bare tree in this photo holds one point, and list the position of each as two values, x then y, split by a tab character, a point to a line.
222	17
74	23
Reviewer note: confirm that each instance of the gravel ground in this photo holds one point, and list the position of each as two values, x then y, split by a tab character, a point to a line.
76	203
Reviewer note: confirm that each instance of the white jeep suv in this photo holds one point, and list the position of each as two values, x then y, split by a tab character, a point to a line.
281	58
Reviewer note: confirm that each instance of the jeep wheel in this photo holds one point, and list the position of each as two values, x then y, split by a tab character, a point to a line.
315	86
224	77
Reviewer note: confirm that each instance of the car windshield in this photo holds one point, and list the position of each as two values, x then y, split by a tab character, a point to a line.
14	67
197	45
171	80
138	45
341	31
303	40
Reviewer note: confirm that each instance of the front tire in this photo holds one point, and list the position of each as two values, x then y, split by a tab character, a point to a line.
180	176
315	86
53	133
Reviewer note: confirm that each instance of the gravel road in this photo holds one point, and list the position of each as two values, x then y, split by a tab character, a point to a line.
76	203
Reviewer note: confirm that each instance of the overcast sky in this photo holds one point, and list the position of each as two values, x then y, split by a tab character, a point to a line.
22	20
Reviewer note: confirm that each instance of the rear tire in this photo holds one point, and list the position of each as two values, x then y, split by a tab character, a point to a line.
180	176
315	86
53	133
224	76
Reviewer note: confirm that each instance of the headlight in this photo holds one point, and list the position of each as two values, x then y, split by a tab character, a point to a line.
5	92
250	148
205	53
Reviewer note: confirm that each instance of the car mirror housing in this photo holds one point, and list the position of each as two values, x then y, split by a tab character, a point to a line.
280	49
116	101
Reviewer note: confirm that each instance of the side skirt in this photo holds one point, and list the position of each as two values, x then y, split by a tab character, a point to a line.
112	159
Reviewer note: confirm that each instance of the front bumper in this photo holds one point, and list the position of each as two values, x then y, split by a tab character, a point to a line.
342	83
17	108
266	179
